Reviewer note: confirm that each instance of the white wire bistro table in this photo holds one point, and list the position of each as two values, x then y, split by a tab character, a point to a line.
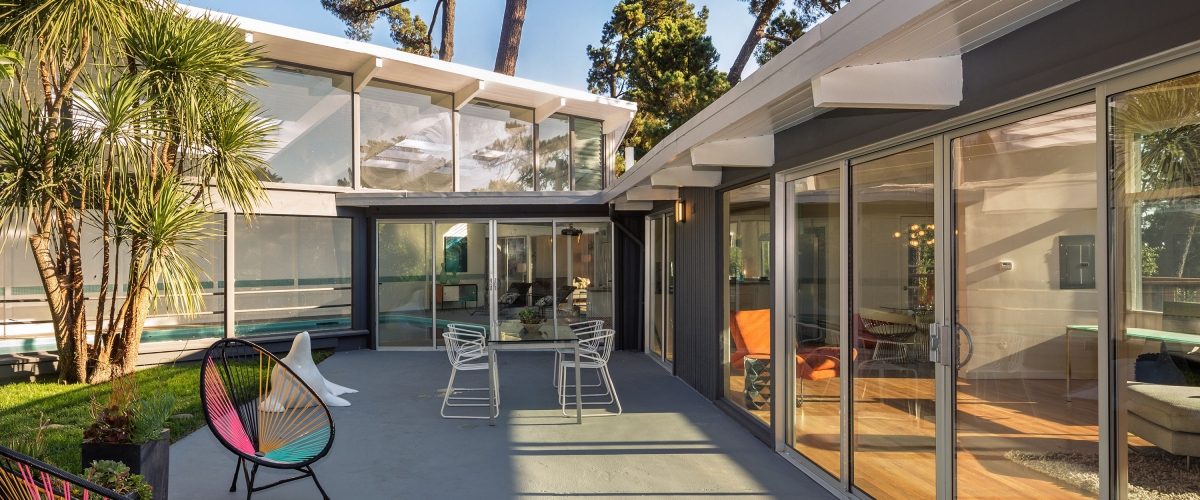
548	338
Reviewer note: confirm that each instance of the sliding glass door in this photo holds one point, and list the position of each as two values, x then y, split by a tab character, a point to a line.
1025	306
813	291
434	273
893	291
660	287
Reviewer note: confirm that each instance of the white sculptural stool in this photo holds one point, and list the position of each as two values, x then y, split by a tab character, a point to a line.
300	360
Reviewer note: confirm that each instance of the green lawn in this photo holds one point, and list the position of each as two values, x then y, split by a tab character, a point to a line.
65	409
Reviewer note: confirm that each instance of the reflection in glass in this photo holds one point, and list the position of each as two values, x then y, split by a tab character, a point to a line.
525	273
1025	195
406	138
748	296
1155	163
892	288
584	276
495	144
312	109
404	267
815	305
554	162
587	151
293	274
460	295
654	247
26	325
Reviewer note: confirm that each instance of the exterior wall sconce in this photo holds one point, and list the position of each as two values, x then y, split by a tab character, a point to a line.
679	211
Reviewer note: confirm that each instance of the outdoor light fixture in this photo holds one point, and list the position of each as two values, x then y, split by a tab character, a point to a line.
679	212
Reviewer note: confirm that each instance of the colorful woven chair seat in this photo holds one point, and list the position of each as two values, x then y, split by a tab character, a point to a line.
24	478
261	411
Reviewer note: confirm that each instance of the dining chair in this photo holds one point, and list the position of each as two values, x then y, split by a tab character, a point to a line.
466	347
594	354
582	330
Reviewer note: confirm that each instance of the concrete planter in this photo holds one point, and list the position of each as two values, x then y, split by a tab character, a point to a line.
150	459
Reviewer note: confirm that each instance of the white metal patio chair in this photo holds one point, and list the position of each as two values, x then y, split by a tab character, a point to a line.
583	330
466	347
594	354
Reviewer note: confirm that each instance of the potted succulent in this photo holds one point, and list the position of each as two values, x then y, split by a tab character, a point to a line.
531	318
131	431
116	476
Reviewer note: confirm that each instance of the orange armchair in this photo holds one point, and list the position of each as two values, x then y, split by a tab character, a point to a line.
751	332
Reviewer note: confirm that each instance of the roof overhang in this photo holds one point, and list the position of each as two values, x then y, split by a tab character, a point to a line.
871	54
368	62
367	198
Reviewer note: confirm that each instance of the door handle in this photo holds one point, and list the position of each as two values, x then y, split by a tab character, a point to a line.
941	349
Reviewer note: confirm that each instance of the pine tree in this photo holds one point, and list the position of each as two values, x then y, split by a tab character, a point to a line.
658	54
410	32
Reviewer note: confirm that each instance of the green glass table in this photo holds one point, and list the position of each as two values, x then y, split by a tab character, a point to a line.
1133	333
512	336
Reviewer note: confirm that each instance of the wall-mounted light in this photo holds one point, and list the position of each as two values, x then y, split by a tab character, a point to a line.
679	211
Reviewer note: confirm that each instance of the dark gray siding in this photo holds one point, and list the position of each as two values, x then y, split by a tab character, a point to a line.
1086	37
698	292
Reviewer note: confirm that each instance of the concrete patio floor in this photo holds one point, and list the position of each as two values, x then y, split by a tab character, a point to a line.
391	443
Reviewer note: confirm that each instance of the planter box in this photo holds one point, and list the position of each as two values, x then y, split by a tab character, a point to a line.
151	459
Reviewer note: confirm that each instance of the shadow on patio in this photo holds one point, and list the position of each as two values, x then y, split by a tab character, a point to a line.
392	444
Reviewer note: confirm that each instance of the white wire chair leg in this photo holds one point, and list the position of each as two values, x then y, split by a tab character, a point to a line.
449	398
610	390
558	356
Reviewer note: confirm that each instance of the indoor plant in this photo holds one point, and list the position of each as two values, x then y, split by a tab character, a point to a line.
130	430
531	319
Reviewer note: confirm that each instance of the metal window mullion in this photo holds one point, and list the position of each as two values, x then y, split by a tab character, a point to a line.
571	153
431	241
846	343
553	275
945	392
1113	454
782	369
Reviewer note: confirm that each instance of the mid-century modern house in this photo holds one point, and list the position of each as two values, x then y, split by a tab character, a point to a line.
933	249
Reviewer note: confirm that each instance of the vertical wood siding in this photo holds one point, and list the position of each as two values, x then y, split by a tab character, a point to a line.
698	292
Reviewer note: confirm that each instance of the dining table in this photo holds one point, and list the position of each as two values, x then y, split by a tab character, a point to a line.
513	336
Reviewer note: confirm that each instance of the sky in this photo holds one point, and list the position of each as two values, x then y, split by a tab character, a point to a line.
553	42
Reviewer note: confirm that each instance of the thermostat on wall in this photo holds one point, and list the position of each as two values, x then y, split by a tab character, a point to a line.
1006	265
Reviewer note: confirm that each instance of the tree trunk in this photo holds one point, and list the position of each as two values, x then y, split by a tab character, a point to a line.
757	32
72	358
510	37
447	51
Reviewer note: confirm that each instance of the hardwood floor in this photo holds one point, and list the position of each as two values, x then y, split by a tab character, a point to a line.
894	434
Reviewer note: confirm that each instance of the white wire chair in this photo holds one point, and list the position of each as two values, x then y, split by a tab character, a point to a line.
466	347
583	330
594	353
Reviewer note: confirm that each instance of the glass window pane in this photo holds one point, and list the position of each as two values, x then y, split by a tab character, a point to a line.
892	284
405	302
525	273
312	109
1025	220
461	294
293	274
584	273
554	168
495	144
748	365
816	307
588	152
406	138
1155	163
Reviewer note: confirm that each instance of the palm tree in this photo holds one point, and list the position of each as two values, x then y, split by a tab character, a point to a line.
130	119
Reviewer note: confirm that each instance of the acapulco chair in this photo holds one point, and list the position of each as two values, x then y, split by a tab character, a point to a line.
260	410
24	478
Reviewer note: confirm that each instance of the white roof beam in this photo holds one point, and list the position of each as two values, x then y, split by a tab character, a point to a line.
651	193
624	205
464	95
364	73
545	109
687	176
757	151
616	121
933	83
